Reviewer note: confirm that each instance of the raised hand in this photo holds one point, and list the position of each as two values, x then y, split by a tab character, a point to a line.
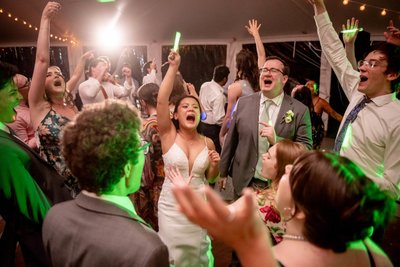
174	59
393	34
253	27
268	132
174	175
214	158
51	10
350	31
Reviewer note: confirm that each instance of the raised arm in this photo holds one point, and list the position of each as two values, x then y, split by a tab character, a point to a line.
36	92
334	50
350	31
253	29
71	84
165	125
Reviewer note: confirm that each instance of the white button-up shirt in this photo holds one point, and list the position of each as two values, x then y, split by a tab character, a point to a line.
373	139
213	101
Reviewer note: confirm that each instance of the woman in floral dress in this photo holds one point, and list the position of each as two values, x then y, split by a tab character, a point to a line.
273	167
50	100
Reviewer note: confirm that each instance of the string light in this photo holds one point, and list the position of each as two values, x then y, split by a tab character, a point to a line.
363	7
69	38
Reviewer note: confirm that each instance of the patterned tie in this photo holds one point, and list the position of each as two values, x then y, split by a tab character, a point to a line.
263	143
349	119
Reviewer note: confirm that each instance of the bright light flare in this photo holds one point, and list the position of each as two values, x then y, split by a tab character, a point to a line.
109	37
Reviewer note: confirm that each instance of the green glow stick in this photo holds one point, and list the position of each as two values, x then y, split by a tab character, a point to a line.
176	43
353	30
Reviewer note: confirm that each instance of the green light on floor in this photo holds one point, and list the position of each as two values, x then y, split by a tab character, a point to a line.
105	1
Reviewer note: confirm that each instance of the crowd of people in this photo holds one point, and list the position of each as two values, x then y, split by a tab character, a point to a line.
125	180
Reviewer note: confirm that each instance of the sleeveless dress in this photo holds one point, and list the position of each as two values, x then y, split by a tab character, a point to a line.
48	139
246	90
188	244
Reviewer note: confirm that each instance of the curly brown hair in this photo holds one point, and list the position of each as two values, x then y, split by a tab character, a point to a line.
98	143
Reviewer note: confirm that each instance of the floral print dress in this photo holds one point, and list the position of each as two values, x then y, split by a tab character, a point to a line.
270	214
146	198
48	139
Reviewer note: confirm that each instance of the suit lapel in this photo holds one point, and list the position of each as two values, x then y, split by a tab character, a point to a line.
287	104
254	108
103	206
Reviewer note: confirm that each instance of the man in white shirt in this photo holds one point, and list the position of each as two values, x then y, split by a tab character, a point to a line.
372	140
149	73
100	85
213	101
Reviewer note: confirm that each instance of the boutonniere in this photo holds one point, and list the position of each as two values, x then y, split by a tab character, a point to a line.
288	116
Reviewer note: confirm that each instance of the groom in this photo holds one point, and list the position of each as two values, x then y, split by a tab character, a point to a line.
260	121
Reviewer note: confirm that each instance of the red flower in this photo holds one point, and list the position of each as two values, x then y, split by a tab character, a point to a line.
271	214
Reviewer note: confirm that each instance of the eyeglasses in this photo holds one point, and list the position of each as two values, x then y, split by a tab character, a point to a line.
27	84
144	146
369	64
271	70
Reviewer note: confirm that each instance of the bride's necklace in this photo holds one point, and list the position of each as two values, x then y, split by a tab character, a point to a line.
189	141
294	237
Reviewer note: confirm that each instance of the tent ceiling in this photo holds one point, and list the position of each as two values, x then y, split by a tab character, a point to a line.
145	21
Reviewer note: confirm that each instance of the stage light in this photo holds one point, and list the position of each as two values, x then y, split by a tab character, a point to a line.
362	8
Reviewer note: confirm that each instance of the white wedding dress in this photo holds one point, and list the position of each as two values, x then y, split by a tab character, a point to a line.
188	244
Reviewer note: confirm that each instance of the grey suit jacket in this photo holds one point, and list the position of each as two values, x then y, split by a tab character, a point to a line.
93	232
240	152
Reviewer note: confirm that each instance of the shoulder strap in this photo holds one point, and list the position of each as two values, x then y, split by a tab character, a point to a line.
371	258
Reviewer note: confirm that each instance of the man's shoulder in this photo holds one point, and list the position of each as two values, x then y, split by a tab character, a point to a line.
295	103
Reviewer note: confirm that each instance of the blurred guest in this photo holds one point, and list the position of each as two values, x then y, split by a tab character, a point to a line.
149	72
146	198
246	83
101	84
303	94
22	125
213	101
130	84
28	184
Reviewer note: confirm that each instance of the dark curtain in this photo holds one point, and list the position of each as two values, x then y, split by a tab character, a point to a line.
24	58
197	62
303	58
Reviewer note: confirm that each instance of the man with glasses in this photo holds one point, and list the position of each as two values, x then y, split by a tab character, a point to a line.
370	130
22	125
259	121
100	227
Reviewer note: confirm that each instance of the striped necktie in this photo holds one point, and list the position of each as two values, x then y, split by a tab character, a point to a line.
349	119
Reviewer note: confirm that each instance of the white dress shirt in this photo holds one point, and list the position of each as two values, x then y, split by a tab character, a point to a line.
213	101
90	91
273	109
373	139
151	78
